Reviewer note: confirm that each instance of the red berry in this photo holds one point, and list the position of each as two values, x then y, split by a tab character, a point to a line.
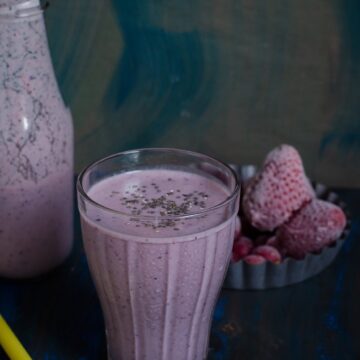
315	226
273	241
241	248
269	253
254	259
277	190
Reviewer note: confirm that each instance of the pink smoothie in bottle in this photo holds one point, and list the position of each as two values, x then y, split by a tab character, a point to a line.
158	280
36	148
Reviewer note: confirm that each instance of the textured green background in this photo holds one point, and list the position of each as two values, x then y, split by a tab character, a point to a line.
231	78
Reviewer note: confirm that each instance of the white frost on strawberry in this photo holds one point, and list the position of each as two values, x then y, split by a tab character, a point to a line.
315	226
277	190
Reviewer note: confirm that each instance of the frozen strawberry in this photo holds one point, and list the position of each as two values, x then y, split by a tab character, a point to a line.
237	227
268	252
273	241
254	259
277	190
315	226
241	248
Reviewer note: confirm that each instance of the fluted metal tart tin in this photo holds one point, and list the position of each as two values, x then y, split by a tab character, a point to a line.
267	275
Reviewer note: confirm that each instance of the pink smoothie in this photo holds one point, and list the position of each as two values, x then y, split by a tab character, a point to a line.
36	148
158	280
36	230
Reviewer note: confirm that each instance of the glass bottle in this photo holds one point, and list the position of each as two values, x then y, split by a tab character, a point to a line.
36	148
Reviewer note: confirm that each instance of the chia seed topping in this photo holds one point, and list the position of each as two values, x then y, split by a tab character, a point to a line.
160	202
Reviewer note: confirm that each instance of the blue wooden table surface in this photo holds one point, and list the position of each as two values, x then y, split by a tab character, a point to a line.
58	316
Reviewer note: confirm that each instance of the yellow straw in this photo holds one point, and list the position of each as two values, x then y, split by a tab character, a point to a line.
10	343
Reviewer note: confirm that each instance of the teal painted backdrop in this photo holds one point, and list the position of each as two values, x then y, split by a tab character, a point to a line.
231	78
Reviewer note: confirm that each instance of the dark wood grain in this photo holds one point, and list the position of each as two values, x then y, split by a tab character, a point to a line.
230	78
58	316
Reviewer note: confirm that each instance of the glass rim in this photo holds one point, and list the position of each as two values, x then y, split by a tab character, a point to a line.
81	191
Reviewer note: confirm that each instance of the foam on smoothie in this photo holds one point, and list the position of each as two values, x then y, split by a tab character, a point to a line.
158	203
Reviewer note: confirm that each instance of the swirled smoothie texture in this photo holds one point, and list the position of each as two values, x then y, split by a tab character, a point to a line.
158	280
36	151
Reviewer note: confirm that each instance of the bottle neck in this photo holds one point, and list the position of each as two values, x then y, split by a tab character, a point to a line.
20	10
24	49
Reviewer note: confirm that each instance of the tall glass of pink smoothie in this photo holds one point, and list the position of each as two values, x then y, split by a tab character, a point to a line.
158	227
